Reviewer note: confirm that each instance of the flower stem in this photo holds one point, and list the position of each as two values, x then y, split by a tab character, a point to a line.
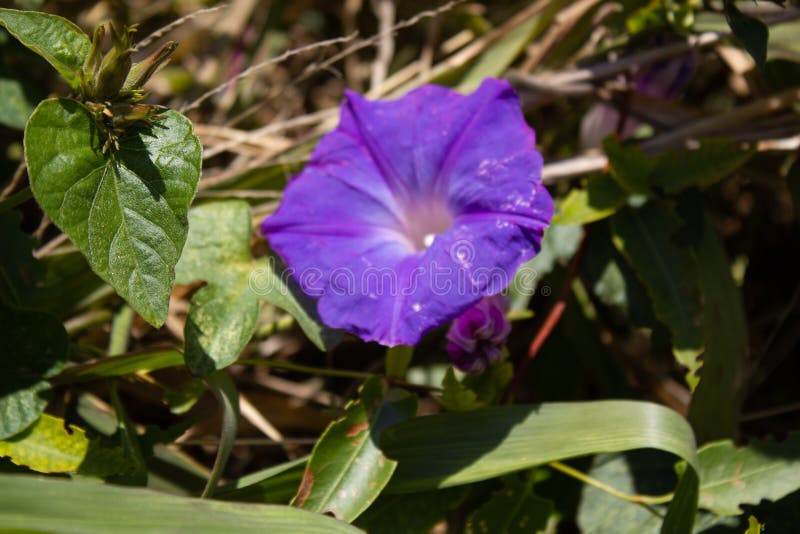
397	360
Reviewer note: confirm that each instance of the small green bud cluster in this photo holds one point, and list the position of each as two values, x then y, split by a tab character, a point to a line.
111	84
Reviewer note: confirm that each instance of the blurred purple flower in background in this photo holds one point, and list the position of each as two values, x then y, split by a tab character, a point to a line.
412	210
662	81
476	338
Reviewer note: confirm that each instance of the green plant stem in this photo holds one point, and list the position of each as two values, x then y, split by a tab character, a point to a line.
397	360
120	331
227	395
324	371
16	199
586	479
124	424
307	369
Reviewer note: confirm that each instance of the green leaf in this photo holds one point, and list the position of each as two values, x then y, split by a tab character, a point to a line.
601	198
120	366
397	360
86	507
630	166
645	238
450	449
444	450
514	509
730	476
494	61
223	315
126	209
50	447
56	39
712	161
715	405
347	470
17	105
491	384
457	397
32	348
753	33
276	484
753	526
558	246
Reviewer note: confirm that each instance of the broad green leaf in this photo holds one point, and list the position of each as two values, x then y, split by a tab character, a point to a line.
669	273
120	366
450	449
33	347
412	513
630	167
558	245
125	209
85	507
513	510
16	105
730	476
601	197
444	450
223	315
347	470
713	160
753	33
715	405
494	61
49	446
56	39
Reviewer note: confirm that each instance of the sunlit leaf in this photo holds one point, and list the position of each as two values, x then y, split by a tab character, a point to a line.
56	39
33	347
85	507
49	446
731	476
125	209
223	315
347	470
601	198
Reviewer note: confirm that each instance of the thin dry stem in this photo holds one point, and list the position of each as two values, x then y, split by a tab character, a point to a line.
385	11
19	174
263	65
161	32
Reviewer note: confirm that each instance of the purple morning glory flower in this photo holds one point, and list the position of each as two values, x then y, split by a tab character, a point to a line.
412	210
477	337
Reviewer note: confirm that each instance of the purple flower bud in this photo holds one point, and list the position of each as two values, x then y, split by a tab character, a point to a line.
476	338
